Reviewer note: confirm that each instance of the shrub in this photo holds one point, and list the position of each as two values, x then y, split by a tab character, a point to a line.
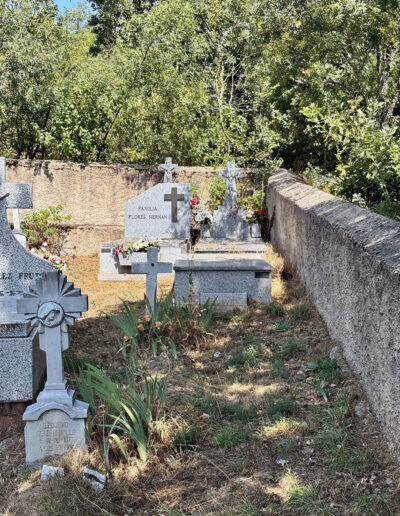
46	226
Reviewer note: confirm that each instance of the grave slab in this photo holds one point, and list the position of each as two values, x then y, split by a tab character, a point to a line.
226	277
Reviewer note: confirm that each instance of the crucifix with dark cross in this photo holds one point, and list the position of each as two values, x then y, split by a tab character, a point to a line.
13	195
230	174
174	198
53	304
151	268
168	167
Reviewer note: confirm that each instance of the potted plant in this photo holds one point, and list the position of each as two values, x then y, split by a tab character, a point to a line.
204	218
258	218
133	251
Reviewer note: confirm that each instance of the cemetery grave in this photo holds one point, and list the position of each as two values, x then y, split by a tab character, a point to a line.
259	419
232	400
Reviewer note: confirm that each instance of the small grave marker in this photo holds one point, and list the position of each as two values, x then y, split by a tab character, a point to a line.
56	422
151	268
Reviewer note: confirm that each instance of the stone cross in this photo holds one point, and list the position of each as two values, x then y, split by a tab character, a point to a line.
151	268
230	174
52	304
174	197
168	167
13	195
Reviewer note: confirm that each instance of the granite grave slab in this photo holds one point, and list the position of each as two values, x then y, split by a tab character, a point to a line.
232	282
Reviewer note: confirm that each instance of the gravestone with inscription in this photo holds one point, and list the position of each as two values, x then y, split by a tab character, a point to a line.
162	214
22	364
56	422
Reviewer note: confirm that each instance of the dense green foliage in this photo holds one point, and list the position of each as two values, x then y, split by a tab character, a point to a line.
311	85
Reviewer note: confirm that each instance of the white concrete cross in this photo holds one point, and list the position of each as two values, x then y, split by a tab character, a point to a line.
230	174
168	167
151	268
52	304
13	195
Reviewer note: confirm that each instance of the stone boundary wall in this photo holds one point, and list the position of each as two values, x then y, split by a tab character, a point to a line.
349	261
94	194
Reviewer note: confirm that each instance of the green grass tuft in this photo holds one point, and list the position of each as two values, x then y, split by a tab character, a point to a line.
274	309
300	312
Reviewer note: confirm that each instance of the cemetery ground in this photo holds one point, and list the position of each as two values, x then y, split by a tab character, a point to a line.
260	417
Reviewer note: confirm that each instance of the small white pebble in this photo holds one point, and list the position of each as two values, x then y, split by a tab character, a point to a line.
281	462
388	481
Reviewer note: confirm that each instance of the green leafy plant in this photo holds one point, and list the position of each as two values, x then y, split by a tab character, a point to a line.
122	412
48	225
274	309
228	437
300	312
281	407
186	437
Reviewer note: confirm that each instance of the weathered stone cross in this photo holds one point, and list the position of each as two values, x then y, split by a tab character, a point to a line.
151	268
168	167
230	174
174	197
52	304
13	195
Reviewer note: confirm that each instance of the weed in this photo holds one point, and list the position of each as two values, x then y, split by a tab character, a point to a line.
285	426
305	501
326	369
238	464
239	411
186	437
374	504
282	407
281	327
300	312
228	437
286	445
250	357
274	309
289	349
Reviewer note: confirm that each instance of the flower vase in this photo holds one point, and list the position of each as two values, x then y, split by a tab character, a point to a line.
256	231
205	231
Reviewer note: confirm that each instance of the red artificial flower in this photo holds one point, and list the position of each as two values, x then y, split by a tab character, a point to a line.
193	201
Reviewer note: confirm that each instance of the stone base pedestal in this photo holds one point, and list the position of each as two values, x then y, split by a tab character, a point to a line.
22	366
56	430
215	245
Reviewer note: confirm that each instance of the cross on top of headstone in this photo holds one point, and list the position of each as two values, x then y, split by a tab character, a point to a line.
52	304
174	197
230	174
168	167
13	195
151	268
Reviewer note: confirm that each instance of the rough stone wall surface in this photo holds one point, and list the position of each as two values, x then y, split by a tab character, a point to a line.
349	261
94	194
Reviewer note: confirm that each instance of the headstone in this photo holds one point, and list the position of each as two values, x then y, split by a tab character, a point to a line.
22	363
162	212
230	229
56	422
151	268
229	282
168	167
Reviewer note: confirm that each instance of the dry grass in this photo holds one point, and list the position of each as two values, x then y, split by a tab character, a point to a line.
248	408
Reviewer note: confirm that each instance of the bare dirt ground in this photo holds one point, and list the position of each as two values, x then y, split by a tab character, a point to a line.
259	420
